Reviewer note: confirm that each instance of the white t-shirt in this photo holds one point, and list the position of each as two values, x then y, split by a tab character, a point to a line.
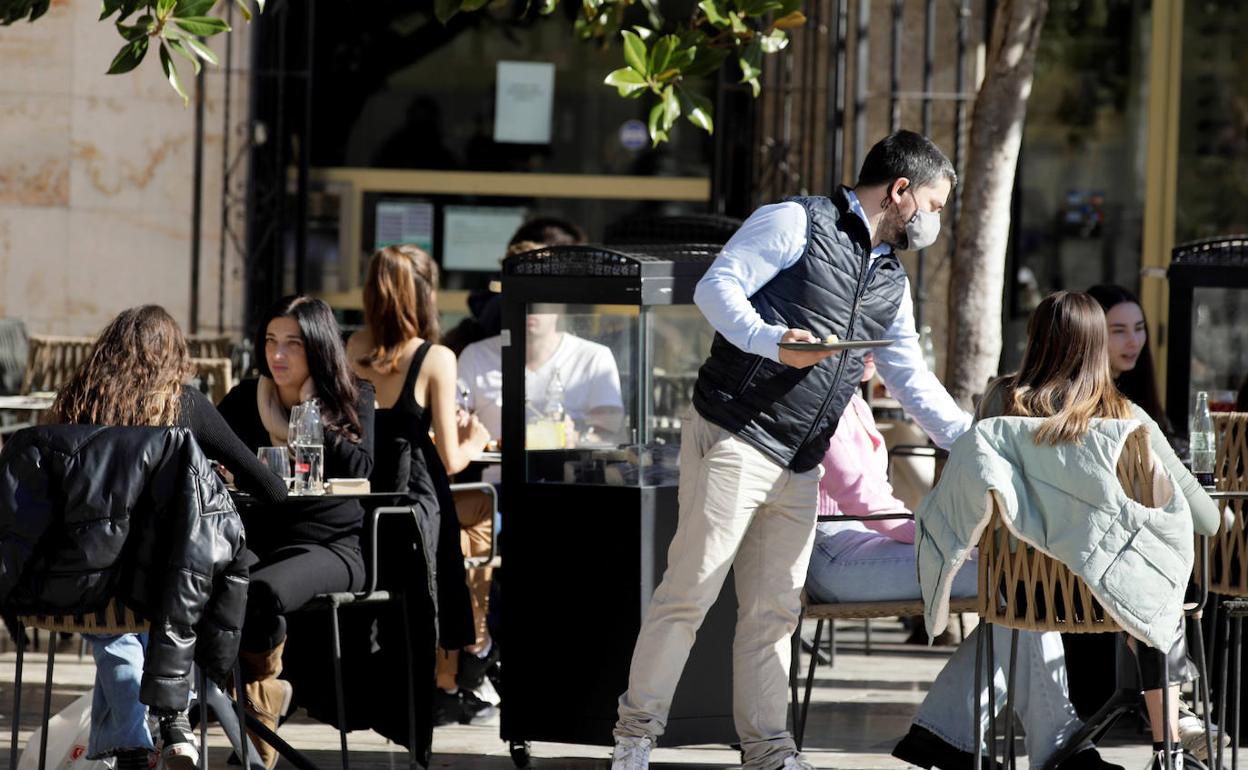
587	370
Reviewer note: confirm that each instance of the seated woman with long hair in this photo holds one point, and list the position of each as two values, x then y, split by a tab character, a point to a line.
416	383
135	375
1064	377
311	547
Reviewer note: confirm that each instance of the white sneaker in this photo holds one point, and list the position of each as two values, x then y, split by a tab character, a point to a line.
631	754
796	762
1192	736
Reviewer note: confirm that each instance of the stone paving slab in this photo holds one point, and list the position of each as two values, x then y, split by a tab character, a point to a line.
859	709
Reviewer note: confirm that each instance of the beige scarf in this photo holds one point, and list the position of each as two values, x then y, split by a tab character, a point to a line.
274	416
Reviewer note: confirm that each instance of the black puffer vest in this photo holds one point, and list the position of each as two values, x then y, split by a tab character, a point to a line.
836	288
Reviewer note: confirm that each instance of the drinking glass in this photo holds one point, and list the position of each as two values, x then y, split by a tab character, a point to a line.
292	429
277	460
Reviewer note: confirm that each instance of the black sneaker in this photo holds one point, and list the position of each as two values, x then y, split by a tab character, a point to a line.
923	748
473	669
178	743
461	707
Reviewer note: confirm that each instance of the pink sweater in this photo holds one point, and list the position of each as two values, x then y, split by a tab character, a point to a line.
855	474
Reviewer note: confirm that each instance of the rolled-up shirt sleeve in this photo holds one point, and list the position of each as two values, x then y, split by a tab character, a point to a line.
916	387
772	239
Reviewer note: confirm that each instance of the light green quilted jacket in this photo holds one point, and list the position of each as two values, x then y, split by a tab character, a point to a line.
1067	501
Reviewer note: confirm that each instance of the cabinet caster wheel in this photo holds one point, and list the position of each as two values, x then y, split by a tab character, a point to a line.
520	753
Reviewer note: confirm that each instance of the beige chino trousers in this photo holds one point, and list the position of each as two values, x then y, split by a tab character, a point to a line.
738	509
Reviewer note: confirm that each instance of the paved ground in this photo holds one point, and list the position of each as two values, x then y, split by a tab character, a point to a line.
860	707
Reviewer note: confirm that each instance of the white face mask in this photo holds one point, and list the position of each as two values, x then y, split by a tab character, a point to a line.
922	229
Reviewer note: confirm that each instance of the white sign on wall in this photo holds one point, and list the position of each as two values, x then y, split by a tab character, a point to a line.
524	101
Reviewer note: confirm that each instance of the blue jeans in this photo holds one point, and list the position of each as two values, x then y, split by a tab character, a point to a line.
118	719
853	566
1041	697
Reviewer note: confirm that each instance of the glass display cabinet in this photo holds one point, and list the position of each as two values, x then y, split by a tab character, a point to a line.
601	348
1208	332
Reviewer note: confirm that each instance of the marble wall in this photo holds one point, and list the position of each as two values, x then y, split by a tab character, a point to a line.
96	177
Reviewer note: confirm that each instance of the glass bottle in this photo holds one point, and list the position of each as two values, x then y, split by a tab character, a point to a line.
1203	446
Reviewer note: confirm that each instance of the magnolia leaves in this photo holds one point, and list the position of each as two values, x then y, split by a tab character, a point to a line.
173	27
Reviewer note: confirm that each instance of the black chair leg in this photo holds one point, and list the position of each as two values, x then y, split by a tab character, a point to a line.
203	719
866	632
1010	759
810	682
17	694
1202	691
831	643
979	699
47	702
339	698
411	686
795	665
992	696
1223	652
1165	711
1236	644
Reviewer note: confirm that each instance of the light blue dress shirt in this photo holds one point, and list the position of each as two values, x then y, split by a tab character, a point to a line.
774	238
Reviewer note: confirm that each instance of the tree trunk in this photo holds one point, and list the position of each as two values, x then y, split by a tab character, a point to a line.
977	269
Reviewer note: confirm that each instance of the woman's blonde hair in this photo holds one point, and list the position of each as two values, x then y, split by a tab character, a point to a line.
1065	374
133	375
398	303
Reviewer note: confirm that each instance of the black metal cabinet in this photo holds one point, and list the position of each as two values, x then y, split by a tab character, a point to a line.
1207	345
590	500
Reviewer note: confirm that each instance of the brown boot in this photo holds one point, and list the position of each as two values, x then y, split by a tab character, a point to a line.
267	697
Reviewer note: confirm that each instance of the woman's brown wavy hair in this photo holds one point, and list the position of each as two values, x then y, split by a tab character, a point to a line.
133	375
1065	374
398	303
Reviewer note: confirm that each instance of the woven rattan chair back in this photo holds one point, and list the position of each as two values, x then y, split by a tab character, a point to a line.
209	347
1228	549
51	361
1024	588
115	618
215	376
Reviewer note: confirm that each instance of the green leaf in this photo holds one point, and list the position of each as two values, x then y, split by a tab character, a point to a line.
707	61
683	58
671	107
789	6
204	26
713	13
774	42
627	80
164	8
645	33
129	57
132	32
657	134
751	61
185	8
738	25
203	51
635	52
549	6
761	7
108	8
245	8
468	6
697	109
181	50
445	9
661	53
171	72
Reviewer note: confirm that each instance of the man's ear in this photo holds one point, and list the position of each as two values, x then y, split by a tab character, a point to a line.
897	188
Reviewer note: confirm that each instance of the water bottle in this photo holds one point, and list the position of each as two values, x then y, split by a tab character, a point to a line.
1203	448
554	410
309	443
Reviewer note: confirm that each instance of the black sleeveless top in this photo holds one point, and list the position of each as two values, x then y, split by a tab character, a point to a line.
407	460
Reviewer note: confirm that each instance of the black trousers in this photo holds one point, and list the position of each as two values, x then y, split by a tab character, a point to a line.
287	578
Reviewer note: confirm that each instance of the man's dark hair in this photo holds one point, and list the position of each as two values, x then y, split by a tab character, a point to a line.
548	231
905	153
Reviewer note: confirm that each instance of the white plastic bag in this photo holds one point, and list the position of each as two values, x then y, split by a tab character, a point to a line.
68	731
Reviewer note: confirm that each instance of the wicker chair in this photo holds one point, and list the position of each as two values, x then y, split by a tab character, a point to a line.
215	376
1025	589
831	613
53	360
202	346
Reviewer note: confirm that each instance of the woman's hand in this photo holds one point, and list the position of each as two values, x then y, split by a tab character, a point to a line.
472	433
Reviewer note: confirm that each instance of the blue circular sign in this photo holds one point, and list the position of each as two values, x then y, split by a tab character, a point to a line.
633	135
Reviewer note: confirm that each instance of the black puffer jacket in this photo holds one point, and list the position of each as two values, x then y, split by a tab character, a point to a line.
89	513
